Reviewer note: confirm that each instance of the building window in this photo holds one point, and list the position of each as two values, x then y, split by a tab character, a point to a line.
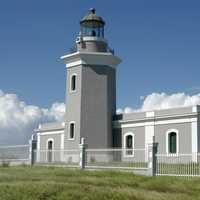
73	83
172	142
50	150
172	138
129	144
71	130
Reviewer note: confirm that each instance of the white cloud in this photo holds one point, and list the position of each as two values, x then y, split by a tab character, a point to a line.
17	119
158	101
128	110
119	111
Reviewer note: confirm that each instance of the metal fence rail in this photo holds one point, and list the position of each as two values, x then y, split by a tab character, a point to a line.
116	158
178	164
94	158
17	154
70	158
143	161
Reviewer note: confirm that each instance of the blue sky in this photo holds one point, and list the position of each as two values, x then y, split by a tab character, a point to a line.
158	41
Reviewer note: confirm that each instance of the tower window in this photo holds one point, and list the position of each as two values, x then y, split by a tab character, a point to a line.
73	82
71	130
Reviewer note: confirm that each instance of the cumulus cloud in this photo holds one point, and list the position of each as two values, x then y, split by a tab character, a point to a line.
158	101
18	120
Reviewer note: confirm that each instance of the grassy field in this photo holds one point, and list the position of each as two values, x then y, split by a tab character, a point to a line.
42	183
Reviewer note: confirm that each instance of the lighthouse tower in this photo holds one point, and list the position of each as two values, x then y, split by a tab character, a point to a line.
91	87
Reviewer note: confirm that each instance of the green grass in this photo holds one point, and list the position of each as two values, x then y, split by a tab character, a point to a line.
42	183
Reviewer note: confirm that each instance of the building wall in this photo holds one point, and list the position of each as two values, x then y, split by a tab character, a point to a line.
139	144
174	111
98	105
117	137
88	45
158	123
42	151
73	107
198	134
139	136
184	135
56	138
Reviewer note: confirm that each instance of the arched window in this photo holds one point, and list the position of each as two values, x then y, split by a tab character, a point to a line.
73	83
129	144
50	150
172	142
50	145
71	130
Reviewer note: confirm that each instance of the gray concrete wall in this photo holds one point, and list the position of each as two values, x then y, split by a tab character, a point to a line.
92	46
139	143
98	105
131	116
174	111
51	126
42	153
55	137
198	132
91	106
73	107
117	137
184	130
139	137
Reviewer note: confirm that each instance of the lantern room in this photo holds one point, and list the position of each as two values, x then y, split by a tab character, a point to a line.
92	25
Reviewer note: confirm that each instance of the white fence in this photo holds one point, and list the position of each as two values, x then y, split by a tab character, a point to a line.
178	164
126	159
15	155
143	161
116	158
69	158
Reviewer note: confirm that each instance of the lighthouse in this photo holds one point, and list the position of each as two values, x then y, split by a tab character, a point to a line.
90	86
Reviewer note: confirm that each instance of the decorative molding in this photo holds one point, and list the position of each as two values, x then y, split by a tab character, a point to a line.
62	139
89	38
51	133
125	124
150	114
194	139
194	109
38	141
149	133
91	58
62	142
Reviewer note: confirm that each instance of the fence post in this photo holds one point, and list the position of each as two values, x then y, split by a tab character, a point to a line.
32	148
152	159
82	147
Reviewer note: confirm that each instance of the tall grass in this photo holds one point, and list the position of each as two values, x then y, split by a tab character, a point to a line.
42	183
